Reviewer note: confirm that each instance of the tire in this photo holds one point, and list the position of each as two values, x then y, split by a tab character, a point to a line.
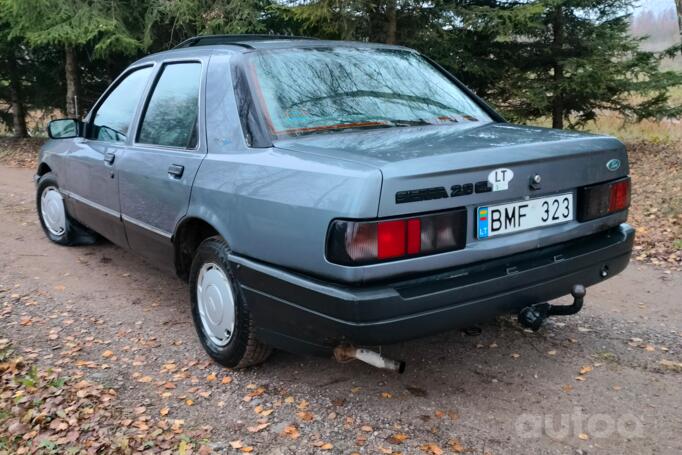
212	280
56	222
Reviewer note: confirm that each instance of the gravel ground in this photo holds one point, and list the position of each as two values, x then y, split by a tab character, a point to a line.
605	381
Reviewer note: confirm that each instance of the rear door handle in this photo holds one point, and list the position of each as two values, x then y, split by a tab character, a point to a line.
109	158
176	170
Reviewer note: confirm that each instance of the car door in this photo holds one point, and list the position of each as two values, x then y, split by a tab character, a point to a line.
157	171
91	186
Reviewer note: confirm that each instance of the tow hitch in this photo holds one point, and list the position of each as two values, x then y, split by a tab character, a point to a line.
533	316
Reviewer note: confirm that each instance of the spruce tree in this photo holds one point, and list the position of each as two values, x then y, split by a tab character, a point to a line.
571	59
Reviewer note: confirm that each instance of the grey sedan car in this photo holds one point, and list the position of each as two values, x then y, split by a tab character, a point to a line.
318	195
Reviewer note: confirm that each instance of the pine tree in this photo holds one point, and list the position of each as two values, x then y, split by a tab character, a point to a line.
169	22
570	59
70	26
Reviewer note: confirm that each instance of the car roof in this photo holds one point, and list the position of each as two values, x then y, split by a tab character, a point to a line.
207	44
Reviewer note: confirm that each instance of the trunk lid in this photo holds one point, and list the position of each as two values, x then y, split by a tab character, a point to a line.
422	166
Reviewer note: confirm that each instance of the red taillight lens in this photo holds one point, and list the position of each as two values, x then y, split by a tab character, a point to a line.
363	242
391	239
600	200
619	198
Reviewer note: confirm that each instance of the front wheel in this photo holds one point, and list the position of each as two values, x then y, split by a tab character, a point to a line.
55	220
221	316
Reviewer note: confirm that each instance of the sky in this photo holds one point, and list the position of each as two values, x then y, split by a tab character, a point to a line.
655	5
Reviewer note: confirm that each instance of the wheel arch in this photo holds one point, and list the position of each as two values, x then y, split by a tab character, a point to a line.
190	232
43	169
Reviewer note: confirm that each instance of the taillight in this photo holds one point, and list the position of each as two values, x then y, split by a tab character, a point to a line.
603	199
364	242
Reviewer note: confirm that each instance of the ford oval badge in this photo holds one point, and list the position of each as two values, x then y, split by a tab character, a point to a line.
613	165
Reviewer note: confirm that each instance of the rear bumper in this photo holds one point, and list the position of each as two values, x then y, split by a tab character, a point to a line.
302	314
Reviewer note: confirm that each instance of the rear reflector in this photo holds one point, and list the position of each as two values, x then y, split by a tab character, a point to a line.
596	201
364	242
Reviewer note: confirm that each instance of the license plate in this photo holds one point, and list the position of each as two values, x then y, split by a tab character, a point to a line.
524	215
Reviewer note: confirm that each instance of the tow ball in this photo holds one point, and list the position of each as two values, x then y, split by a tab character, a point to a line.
534	316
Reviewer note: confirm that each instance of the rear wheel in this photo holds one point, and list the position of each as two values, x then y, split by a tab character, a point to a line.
221	316
55	220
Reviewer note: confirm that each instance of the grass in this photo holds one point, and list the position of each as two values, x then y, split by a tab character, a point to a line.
663	131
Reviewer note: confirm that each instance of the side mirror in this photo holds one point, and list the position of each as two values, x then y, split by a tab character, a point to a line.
64	128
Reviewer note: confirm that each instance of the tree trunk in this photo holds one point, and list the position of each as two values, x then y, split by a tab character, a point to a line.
679	16
557	46
392	22
71	69
18	111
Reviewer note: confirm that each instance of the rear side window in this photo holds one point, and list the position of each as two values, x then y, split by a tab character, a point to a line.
170	118
113	117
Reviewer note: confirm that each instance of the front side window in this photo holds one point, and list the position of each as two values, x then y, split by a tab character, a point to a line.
171	115
113	117
322	89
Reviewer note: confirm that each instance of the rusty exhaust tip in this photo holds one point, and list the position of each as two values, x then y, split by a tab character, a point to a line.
347	353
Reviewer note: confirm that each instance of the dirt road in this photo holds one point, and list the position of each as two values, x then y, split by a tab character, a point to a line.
593	383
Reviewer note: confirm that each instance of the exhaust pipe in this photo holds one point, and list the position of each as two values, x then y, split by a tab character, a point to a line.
534	316
348	353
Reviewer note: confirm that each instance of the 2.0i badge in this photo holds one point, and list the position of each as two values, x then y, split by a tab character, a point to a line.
613	165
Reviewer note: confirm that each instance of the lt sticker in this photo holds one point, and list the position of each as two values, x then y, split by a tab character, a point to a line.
500	178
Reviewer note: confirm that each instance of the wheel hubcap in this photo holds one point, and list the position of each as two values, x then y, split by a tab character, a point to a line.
215	302
52	209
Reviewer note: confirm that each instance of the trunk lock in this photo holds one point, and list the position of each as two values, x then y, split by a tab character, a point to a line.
535	181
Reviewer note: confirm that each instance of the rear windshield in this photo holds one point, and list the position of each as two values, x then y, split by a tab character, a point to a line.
312	90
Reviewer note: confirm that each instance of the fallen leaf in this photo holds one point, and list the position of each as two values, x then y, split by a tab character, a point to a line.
236	444
247	449
257	428
327	446
457	446
583	436
671	365
291	431
107	354
386	395
306	416
398	438
211	377
586	369
164	411
226	380
431	448
189	402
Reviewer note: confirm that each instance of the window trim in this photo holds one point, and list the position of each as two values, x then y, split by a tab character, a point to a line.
147	100
90	118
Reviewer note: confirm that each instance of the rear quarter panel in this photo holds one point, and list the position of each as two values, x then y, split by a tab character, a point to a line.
271	204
